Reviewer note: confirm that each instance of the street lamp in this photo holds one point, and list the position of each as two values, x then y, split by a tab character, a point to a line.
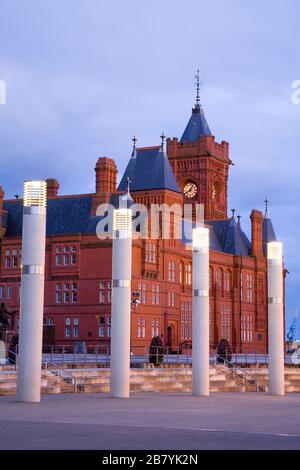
121	299
275	318
200	353
32	291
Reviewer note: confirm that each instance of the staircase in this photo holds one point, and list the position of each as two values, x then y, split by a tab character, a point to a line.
168	380
292	378
8	380
148	380
51	381
158	380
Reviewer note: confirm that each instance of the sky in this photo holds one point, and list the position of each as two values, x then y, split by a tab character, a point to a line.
83	76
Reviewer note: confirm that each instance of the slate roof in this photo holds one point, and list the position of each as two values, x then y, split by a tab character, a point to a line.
225	236
196	127
65	216
231	237
72	215
268	233
187	227
147	169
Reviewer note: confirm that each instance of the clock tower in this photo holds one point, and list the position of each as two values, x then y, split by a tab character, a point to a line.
201	165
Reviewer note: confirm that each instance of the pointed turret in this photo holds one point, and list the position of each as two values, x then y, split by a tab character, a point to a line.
268	229
149	169
197	125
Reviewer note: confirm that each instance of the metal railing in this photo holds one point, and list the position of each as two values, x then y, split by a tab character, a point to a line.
69	354
60	372
98	354
14	359
237	372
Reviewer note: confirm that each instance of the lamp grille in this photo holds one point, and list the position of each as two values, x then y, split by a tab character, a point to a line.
35	193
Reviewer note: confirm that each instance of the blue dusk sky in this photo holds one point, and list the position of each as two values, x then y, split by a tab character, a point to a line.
84	76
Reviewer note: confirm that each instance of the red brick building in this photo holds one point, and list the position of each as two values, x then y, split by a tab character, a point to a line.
193	170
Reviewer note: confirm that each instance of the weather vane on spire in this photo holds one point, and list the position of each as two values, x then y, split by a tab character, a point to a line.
198	84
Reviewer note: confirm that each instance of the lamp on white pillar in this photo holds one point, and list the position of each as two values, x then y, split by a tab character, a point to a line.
200	355
121	299
275	318
32	291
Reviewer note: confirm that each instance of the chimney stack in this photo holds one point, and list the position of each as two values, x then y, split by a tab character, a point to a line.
106	176
52	187
256	233
106	180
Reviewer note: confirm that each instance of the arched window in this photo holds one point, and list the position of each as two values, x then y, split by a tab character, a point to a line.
67	327
188	274
219	278
226	322
153	252
216	192
227	281
181	270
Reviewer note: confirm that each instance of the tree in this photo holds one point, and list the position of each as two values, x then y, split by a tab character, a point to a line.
224	351
156	351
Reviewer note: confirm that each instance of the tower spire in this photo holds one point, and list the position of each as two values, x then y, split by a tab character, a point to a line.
197	125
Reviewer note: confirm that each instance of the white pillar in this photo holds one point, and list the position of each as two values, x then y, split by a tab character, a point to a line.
200	325
275	319
32	292
121	304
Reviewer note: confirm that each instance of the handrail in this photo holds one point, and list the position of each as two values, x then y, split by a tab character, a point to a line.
16	357
233	368
62	371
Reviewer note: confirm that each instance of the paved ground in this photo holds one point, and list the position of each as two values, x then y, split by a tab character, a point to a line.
152	421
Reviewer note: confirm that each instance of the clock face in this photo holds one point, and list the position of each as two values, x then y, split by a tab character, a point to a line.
190	190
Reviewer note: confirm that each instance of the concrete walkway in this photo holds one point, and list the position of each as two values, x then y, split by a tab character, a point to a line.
152	421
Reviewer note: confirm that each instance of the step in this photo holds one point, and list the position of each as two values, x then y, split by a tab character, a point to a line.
9	385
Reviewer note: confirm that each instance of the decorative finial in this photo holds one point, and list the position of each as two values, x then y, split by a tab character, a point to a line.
267	202
134	140
128	185
233	213
163	138
239	219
